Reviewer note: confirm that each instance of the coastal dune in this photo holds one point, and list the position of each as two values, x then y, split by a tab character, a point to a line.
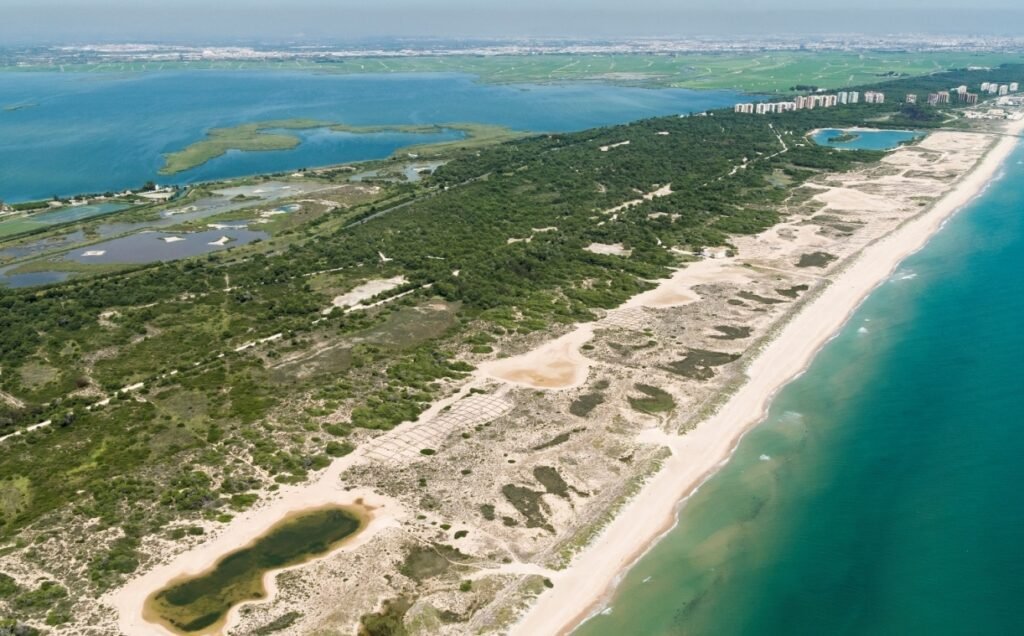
581	588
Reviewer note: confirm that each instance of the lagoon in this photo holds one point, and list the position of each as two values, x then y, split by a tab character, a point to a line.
864	139
153	247
67	214
99	132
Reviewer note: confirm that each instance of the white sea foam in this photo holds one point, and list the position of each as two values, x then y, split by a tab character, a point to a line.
765	458
862	330
646	580
792	417
606	611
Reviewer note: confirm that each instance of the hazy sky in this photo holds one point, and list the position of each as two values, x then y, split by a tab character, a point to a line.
223	20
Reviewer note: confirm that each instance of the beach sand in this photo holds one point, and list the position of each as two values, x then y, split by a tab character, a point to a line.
556	365
580	589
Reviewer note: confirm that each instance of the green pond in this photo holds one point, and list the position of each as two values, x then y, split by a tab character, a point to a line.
200	603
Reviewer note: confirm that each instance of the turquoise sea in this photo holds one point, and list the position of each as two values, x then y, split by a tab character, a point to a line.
93	132
883	494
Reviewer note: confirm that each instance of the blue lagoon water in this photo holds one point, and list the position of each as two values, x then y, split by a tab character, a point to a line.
97	132
153	247
31	279
883	494
866	139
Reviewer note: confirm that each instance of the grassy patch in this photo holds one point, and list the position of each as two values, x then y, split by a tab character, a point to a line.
699	363
561	438
529	504
390	621
15	496
815	259
792	292
584	404
732	333
656	400
425	562
552	481
247	137
745	295
283	621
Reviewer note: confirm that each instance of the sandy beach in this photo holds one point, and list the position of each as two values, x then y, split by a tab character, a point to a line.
580	589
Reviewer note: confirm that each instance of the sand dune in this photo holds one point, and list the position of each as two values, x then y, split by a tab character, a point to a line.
578	590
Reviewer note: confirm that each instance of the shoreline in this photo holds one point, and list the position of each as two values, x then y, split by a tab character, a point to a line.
583	588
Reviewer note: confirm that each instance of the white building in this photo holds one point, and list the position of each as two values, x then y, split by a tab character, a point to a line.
854	97
874	97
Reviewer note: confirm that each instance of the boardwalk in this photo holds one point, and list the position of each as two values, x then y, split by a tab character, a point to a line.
402	445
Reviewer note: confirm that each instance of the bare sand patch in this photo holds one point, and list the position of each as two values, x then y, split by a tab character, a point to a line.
678	289
365	291
557	364
608	249
663	191
850	199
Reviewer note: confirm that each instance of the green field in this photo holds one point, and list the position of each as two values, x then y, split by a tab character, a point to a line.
17	225
769	71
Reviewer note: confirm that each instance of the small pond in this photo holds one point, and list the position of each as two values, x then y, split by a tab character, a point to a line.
861	139
199	604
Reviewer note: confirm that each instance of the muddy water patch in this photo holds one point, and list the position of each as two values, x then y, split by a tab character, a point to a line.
199	604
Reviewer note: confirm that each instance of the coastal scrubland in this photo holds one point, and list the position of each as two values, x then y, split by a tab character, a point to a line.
182	395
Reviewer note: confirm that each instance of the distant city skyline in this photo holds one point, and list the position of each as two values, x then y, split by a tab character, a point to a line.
55	21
